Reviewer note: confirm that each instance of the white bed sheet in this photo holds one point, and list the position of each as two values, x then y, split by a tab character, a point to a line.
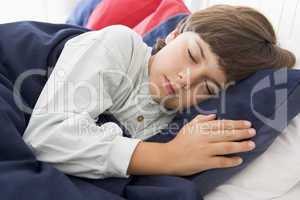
273	175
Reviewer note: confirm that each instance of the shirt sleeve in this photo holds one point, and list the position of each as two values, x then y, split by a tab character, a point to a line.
62	129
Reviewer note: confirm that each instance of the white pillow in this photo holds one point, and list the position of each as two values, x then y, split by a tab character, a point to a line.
293	194
269	176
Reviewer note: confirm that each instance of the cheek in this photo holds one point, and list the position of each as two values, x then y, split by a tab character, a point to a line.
169	62
195	95
172	58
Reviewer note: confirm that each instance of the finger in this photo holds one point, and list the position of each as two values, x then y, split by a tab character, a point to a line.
228	135
226	148
225	162
204	118
225	125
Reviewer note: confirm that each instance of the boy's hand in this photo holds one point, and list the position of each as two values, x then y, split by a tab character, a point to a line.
204	142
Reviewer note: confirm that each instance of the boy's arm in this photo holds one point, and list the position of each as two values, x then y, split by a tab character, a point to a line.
62	129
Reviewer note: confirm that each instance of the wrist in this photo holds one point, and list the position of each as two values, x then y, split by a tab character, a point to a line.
170	159
151	158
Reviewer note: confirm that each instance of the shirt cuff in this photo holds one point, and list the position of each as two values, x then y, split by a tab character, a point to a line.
120	155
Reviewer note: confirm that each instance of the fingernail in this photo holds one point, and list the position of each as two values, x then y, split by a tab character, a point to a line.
252	131
240	161
251	144
247	123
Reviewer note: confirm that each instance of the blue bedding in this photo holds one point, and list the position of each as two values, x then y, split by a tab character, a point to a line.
82	12
28	51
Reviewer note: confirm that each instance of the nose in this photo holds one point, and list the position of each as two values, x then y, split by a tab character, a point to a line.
186	78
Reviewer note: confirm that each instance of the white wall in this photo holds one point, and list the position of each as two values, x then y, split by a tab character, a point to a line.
38	10
284	15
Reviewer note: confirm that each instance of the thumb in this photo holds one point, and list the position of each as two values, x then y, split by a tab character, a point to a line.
204	118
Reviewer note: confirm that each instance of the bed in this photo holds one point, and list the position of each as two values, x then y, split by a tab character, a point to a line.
287	10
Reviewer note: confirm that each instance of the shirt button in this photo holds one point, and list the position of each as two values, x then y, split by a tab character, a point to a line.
140	118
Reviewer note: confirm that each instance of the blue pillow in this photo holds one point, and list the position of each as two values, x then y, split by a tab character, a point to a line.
82	12
269	99
162	30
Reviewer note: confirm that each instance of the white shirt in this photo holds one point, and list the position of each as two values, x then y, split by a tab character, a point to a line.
97	72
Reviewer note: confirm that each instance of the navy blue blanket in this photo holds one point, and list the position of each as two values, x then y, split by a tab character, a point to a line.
28	51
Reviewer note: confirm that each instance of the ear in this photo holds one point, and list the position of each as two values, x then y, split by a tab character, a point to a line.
172	35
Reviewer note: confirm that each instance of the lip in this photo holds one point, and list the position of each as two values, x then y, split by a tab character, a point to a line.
168	86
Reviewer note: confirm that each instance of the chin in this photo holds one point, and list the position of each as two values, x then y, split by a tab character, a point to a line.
173	105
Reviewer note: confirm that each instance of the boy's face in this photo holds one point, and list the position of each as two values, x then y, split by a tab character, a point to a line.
184	72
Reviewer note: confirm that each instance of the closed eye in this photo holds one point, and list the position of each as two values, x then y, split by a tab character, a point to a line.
191	56
208	89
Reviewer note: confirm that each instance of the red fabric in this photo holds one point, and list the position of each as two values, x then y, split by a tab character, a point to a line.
126	12
166	9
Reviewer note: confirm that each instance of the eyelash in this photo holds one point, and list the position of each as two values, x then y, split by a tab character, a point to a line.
209	91
190	55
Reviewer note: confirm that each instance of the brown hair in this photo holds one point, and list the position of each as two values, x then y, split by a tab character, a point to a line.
242	38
